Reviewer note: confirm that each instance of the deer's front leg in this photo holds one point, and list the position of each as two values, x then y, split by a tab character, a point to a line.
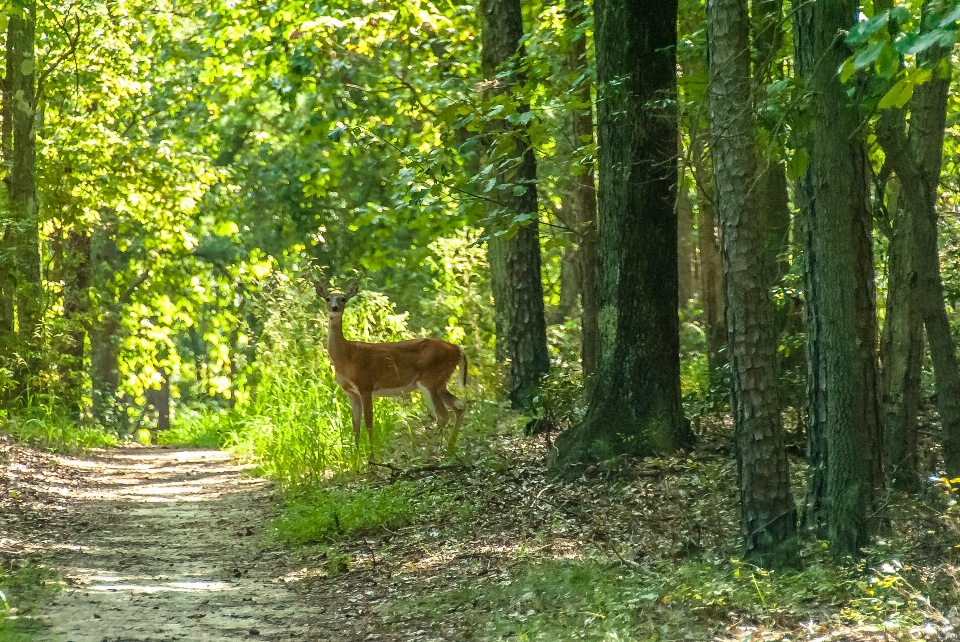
367	398
356	406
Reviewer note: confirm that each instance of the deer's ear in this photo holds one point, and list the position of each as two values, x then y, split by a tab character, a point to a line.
321	289
351	290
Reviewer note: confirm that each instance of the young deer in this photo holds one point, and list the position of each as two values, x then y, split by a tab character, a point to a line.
367	370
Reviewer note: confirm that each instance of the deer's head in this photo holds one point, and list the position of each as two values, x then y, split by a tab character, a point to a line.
336	301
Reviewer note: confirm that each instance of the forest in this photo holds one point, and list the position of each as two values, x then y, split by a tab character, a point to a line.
427	320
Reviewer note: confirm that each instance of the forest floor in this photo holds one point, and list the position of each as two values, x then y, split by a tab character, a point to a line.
163	543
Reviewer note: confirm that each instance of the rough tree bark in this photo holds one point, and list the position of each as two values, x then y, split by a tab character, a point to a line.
635	405
768	514
514	260
840	288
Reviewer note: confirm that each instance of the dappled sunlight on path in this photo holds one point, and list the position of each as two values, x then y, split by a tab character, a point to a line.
164	546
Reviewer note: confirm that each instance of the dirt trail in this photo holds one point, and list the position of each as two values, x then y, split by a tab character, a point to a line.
162	544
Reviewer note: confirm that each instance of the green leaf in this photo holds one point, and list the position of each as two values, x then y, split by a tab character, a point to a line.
797	165
847	70
888	64
868	55
951	18
861	32
924	42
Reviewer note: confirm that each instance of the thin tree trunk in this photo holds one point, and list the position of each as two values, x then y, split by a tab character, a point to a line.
584	196
76	309
105	336
686	248
711	291
768	514
7	279
514	261
771	183
635	405
916	157
900	355
23	190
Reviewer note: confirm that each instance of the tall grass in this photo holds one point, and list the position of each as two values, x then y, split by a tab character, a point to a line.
44	423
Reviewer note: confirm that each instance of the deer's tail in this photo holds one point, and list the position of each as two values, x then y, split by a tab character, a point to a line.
463	369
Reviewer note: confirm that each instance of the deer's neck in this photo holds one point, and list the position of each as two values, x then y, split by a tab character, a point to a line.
336	343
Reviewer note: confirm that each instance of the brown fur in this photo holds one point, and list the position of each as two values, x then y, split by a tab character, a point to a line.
367	370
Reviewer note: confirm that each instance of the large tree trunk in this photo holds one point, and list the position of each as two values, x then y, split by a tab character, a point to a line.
584	196
514	261
635	405
814	511
841	300
23	190
768	514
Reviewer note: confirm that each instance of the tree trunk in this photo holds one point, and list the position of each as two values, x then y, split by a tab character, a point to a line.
160	400
917	158
7	279
516	276
711	290
584	196
928	109
839	224
76	310
814	512
687	252
23	190
105	336
635	405
900	355
773	204
768	514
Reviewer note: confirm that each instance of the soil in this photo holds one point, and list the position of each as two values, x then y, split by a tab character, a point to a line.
160	543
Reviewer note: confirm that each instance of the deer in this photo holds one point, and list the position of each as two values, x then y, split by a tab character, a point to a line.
366	370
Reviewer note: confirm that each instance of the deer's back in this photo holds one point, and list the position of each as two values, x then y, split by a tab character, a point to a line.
399	365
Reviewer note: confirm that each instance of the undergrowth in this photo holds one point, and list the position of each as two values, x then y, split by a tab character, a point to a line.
598	599
327	515
43	424
23	585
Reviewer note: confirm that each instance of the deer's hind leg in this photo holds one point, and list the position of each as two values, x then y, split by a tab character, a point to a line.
458	407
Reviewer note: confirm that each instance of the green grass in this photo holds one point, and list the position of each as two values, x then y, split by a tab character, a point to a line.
202	428
327	515
22	586
598	600
48	428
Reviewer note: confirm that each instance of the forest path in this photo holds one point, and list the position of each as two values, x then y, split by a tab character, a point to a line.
163	544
